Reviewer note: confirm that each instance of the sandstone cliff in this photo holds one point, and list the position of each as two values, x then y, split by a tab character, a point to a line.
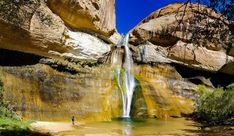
40	92
191	35
64	78
87	15
30	26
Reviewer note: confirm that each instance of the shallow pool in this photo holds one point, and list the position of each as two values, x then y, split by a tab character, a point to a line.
130	127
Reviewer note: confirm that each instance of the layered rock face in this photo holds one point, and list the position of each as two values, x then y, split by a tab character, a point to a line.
31	27
42	93
39	92
87	15
162	93
32	33
65	78
191	35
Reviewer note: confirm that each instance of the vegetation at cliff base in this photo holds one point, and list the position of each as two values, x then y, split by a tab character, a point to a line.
215	107
5	110
11	123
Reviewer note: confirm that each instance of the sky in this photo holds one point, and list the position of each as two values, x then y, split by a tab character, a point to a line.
130	12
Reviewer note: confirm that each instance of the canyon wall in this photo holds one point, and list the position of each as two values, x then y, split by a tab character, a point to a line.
53	59
40	92
92	15
32	27
191	35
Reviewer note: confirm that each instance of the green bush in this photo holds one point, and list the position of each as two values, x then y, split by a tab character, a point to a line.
13	127
215	107
1	91
5	110
11	124
8	118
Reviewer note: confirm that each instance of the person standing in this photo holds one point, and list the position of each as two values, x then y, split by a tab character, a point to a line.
73	120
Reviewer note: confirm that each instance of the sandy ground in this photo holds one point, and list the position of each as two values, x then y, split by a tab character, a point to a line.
52	127
104	129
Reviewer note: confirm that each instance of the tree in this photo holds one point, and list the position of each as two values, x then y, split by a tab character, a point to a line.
225	7
204	27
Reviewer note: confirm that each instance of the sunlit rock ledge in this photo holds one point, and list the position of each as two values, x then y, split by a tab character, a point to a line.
31	27
82	46
194	36
87	15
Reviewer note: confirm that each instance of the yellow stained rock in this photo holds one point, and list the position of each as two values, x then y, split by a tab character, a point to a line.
39	92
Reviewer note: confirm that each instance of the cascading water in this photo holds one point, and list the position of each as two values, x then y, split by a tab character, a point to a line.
125	80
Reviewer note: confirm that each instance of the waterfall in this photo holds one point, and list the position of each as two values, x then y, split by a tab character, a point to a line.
126	82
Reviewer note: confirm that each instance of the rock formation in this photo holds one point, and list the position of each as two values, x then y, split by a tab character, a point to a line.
191	35
41	93
51	51
34	35
31	27
87	15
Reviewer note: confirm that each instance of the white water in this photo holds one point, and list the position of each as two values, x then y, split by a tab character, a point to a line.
126	81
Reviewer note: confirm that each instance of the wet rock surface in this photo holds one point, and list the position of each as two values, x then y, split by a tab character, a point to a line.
40	92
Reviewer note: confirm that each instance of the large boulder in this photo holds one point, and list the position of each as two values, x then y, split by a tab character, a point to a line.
186	54
92	15
30	26
192	35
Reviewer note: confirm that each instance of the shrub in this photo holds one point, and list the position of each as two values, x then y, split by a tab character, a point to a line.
1	91
10	123
5	109
215	107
